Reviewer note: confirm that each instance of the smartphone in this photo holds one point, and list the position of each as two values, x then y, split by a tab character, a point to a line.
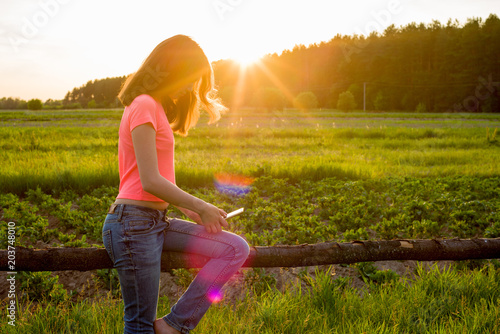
235	213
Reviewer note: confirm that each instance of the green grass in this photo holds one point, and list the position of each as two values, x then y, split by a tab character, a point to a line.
436	301
82	158
319	175
53	157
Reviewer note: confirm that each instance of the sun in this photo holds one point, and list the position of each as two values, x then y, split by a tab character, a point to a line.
245	60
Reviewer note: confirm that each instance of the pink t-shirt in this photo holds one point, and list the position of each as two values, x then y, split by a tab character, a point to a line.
144	109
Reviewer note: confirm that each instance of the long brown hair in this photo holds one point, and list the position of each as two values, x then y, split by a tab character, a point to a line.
174	63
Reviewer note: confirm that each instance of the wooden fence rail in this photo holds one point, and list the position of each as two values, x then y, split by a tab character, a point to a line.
83	259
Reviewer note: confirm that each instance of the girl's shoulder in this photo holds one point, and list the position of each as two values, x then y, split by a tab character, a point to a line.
144	104
144	99
144	109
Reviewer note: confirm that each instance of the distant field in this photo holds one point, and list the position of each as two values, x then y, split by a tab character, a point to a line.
77	149
253	118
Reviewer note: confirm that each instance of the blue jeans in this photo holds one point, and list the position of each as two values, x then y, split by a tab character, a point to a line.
134	237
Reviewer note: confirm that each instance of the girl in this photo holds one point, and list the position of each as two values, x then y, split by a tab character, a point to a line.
163	97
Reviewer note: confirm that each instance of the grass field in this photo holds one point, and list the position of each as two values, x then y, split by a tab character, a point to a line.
75	150
318	176
437	302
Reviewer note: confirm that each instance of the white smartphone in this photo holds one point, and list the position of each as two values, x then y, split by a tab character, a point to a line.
235	213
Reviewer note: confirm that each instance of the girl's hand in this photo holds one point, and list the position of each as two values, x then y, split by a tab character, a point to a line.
213	218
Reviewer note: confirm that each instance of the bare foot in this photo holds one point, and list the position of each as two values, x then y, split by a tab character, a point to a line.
161	327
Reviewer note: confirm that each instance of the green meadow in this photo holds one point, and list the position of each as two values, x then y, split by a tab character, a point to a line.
319	175
77	150
443	302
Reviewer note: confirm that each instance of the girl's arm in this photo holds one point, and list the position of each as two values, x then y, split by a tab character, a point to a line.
191	215
144	140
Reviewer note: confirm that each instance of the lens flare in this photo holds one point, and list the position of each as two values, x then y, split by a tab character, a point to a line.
233	184
215	296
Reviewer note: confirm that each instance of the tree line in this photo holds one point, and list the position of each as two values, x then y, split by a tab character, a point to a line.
424	67
417	67
100	93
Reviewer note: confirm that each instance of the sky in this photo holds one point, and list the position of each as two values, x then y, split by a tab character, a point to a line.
48	47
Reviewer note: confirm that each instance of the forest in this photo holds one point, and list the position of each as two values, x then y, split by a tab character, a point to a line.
434	67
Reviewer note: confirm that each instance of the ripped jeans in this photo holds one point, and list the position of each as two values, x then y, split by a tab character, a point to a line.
134	237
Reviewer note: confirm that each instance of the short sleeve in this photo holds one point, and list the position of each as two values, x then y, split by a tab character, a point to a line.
142	111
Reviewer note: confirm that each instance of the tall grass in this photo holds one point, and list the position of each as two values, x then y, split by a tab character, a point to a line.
82	158
436	301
